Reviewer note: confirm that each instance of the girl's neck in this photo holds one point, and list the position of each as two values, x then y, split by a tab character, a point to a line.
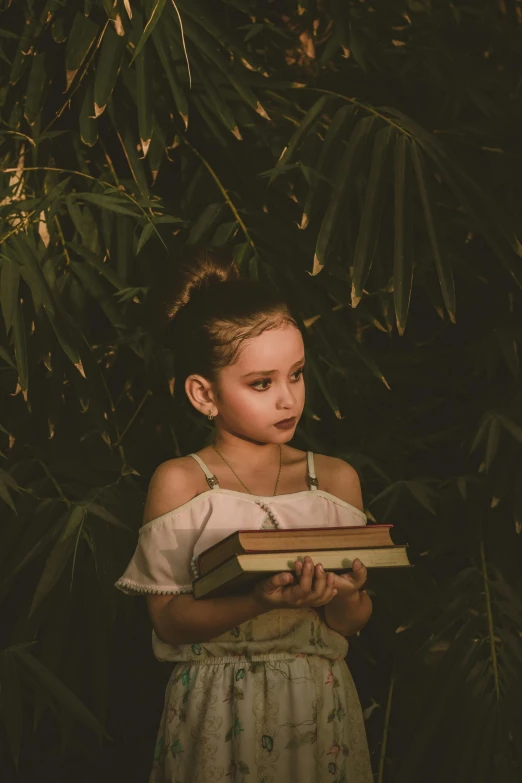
239	450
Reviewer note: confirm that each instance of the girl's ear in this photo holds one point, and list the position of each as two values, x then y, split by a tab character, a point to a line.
199	391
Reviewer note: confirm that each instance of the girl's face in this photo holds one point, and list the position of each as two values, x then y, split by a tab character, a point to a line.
261	396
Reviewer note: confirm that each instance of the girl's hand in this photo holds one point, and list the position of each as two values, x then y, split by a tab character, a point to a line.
349	584
310	587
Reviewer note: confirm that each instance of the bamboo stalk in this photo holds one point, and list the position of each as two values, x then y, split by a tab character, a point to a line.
489	611
384	741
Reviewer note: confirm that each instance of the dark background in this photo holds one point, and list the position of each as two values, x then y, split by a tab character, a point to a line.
401	125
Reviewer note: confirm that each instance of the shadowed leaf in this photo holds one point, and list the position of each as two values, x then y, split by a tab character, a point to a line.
110	61
371	213
345	175
402	247
79	41
442	262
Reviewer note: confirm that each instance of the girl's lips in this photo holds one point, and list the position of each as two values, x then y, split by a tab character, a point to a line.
286	424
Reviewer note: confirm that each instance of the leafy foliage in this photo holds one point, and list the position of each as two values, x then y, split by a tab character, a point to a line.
390	220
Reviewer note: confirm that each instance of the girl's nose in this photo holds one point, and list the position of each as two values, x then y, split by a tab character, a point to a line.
286	397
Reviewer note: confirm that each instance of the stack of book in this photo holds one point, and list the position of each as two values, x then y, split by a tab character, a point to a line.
241	559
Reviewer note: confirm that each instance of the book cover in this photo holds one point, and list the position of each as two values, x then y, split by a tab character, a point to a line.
241	572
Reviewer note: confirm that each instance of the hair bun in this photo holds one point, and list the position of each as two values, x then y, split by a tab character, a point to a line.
198	271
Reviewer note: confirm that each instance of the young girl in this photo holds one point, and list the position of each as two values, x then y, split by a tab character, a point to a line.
259	692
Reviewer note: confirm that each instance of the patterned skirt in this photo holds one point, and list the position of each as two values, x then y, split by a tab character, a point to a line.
268	720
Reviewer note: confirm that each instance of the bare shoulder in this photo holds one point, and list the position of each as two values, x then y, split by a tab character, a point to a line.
339	478
173	483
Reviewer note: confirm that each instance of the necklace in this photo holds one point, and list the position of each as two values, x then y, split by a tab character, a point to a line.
241	482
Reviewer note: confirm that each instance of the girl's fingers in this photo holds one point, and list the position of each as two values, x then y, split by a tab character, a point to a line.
282	579
307	573
359	573
324	588
320	580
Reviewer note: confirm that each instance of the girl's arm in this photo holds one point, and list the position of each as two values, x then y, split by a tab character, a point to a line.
180	619
351	608
347	615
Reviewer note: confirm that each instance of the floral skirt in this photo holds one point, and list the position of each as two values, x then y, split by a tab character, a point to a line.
262	721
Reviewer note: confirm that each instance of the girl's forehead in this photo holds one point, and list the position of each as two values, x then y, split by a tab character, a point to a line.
273	349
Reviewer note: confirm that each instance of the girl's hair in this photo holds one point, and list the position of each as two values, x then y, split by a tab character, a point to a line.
211	311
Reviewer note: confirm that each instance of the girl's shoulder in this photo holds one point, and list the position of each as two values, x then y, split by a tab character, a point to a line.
338	478
173	483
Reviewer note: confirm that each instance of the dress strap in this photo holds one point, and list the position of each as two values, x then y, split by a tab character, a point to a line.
211	479
312	478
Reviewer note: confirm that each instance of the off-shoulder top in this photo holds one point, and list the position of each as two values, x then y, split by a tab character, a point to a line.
169	545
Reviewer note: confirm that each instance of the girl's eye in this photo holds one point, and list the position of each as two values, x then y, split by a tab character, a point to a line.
264	383
261	385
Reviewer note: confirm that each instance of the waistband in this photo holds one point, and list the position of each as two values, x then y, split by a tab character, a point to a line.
242	660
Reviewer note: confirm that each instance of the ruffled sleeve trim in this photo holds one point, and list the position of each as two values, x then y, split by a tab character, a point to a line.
130	587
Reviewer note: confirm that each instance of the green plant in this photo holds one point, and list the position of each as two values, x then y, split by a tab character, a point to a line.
133	129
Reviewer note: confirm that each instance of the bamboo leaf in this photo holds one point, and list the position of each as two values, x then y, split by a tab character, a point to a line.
144	237
129	145
422	494
481	432
442	262
41	291
211	47
92	283
81	37
215	97
244	91
469	196
107	516
205	109
9	480
58	557
58	691
157	151
153	20
223	234
345	176
36	88
25	47
6	496
305	126
87	120
324	386
492	441
112	203
205	222
9	281
403	256
144	99
20	345
108	68
510	426
11	704
178	93
369	361
84	223
371	214
332	140
509	348
223	33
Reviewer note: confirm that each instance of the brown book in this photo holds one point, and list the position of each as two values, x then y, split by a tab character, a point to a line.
240	572
250	541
